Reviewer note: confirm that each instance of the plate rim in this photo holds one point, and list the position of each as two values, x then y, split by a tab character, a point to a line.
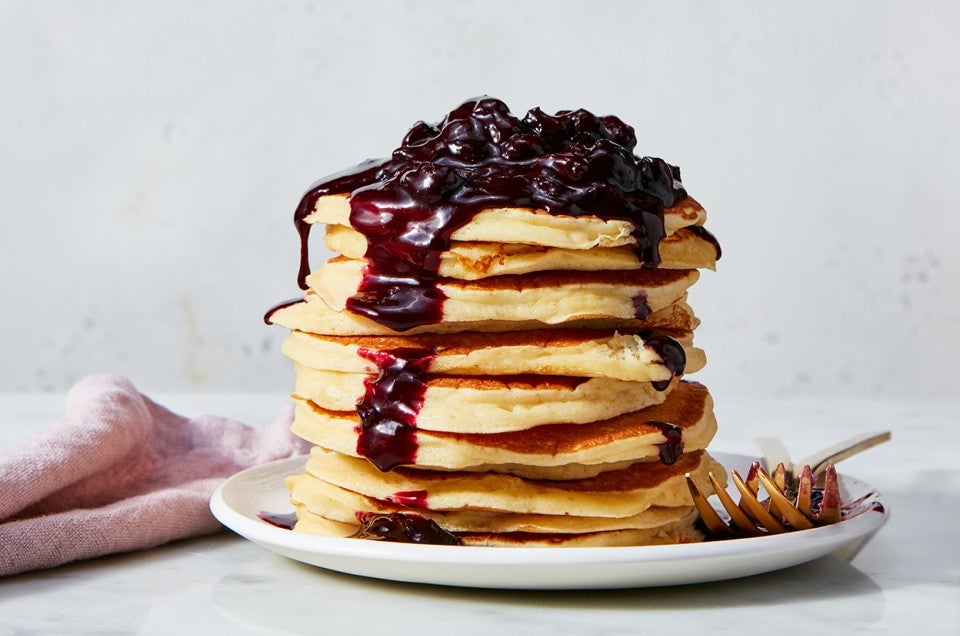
280	540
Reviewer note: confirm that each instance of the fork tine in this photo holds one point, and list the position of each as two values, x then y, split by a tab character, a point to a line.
750	505
804	491
783	505
776	514
752	482
774	452
780	477
737	516
708	515
777	478
830	507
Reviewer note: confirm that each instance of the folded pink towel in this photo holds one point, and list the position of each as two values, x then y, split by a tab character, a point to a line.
120	473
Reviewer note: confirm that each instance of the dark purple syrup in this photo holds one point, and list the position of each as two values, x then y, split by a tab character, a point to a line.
866	503
669	450
268	317
670	351
341	182
389	406
285	520
816	501
707	236
481	156
403	528
640	307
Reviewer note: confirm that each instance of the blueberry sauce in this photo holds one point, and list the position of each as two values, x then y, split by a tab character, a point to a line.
403	528
389	406
707	236
866	503
640	307
670	352
816	501
341	182
409	498
481	156
669	450
268	317
285	520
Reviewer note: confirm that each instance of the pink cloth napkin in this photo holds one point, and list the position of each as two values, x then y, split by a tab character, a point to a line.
119	473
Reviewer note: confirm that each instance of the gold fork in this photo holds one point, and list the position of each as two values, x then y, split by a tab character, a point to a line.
752	517
775	453
790	501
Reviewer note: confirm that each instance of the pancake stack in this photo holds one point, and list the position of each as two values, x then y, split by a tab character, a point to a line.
495	355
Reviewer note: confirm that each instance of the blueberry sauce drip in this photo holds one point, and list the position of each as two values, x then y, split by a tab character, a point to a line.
670	352
866	503
268	317
409	498
669	450
389	406
403	528
341	182
707	236
640	307
481	156
285	520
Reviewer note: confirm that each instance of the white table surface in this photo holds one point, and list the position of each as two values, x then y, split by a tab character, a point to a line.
906	580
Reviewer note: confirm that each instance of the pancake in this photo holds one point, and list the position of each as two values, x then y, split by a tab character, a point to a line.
473	260
482	404
681	531
316	497
550	451
533	227
668	535
618	493
313	315
497	348
570	352
549	297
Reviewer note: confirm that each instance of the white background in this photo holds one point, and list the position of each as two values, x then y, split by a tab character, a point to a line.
152	153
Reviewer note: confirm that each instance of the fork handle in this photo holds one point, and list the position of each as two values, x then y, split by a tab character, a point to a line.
848	448
774	453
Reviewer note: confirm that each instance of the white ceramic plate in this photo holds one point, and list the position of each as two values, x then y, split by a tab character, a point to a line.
237	502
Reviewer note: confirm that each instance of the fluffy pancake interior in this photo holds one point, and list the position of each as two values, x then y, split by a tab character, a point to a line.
480	404
533	227
551	451
313	315
337	504
671	533
619	493
567	352
552	297
473	260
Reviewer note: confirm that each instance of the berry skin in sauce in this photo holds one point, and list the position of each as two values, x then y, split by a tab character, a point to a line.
481	156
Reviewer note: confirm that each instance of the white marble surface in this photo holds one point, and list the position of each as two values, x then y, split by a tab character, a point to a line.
906	580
